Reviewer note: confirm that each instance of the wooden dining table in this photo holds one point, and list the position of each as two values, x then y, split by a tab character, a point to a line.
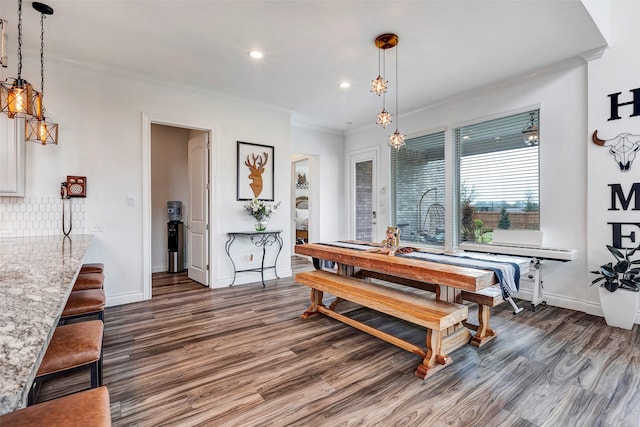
350	256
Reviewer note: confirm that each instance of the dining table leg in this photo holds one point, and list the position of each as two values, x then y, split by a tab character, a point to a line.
484	333
458	335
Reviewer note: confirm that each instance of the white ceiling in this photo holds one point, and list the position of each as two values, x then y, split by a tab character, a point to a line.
446	48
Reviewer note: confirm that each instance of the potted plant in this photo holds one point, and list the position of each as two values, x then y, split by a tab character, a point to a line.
619	308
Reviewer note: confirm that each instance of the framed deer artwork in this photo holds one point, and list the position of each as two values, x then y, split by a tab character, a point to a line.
255	171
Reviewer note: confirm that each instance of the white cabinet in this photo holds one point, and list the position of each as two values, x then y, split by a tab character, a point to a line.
12	157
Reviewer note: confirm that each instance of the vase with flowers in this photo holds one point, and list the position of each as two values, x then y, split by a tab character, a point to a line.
260	211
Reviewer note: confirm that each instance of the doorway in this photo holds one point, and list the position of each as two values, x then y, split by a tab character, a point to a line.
301	202
176	159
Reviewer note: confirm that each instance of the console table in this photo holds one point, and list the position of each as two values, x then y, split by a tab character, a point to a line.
260	239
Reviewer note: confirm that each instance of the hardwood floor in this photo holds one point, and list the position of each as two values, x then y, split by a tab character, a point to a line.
241	356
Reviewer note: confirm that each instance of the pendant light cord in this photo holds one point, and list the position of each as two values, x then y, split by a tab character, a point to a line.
19	39
384	71
42	109
397	113
42	55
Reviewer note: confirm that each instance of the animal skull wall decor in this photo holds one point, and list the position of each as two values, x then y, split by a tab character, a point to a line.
623	148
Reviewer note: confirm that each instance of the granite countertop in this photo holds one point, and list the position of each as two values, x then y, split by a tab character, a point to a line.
36	278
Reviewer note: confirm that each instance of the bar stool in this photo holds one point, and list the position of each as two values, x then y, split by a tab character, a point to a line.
73	347
88	281
96	267
88	302
87	408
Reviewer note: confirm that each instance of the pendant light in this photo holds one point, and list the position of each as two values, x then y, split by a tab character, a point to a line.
396	139
38	128
379	87
379	84
530	132
16	94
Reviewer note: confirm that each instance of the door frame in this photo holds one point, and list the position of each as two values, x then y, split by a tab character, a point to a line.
147	120
358	156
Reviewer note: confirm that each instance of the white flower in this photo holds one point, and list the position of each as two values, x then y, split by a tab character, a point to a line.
259	209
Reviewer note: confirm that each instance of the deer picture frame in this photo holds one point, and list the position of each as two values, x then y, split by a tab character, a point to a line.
255	171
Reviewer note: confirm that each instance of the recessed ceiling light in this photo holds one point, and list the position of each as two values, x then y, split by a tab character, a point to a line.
345	85
255	54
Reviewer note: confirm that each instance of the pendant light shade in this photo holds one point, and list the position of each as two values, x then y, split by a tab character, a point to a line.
16	94
17	98
38	128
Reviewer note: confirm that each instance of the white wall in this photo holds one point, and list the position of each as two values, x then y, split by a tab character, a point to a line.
562	99
328	186
616	71
100	120
169	181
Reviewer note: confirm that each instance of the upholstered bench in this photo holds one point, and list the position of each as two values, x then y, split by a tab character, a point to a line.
96	267
88	281
73	347
85	409
89	302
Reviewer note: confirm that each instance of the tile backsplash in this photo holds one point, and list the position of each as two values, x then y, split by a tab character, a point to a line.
39	216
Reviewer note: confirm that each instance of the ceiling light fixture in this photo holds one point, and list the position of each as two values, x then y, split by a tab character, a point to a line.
345	85
379	87
255	54
530	132
38	128
16	94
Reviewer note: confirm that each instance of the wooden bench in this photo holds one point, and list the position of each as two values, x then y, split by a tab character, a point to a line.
435	316
485	298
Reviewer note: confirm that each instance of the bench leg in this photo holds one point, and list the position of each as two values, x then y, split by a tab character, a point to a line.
484	333
334	303
316	301
434	360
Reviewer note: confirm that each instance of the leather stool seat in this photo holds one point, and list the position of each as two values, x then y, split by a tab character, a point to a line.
72	347
88	281
96	267
87	408
88	302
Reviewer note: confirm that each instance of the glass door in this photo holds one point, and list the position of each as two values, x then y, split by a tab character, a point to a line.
363	196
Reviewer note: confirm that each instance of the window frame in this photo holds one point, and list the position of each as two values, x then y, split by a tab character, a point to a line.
456	231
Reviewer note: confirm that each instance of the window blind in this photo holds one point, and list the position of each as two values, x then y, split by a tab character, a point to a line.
497	170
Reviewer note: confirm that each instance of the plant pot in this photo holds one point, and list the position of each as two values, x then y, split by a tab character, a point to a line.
619	307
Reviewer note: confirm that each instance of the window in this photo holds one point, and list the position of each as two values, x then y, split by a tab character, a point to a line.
498	177
417	189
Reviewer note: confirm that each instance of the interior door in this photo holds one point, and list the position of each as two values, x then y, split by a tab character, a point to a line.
364	202
197	221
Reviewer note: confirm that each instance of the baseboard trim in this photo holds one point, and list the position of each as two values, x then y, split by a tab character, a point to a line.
124	299
251	277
